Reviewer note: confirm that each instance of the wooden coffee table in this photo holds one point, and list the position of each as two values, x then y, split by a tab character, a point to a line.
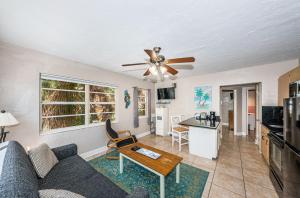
161	166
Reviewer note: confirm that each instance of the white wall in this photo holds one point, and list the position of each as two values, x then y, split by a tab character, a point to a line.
19	88
266	74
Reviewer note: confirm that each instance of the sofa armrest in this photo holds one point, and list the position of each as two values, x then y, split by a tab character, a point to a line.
139	192
65	151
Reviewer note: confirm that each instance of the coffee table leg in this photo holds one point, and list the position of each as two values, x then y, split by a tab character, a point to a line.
162	186
121	163
177	173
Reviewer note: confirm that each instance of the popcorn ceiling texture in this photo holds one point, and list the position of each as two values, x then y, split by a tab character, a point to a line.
222	35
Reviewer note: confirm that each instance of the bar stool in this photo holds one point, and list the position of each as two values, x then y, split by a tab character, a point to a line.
178	132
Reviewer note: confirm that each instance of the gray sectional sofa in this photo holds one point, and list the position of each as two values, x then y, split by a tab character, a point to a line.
18	178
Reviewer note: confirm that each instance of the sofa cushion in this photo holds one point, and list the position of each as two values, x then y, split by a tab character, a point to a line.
76	175
65	151
18	178
53	193
43	159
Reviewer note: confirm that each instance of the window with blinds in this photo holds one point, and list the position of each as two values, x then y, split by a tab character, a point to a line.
70	104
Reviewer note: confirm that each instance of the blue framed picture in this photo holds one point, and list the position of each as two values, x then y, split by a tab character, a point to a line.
203	97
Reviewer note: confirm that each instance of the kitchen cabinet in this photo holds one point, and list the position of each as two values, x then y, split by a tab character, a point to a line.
284	81
265	142
283	88
295	74
204	139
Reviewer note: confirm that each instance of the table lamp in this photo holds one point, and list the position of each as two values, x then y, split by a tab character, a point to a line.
6	119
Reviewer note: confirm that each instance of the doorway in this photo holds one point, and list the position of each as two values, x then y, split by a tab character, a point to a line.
239	107
251	114
227	103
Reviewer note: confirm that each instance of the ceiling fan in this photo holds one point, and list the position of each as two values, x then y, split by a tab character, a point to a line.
159	66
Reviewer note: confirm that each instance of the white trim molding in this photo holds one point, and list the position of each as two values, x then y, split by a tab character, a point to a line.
93	152
142	134
241	133
75	80
235	112
103	149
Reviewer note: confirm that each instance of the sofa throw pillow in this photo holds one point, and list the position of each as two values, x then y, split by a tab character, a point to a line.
54	193
43	159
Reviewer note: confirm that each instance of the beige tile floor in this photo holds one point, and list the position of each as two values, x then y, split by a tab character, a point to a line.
240	170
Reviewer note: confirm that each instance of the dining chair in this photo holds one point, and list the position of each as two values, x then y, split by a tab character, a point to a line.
179	132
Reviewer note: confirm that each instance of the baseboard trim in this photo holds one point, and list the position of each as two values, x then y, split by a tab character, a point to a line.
143	134
96	151
225	124
240	133
93	152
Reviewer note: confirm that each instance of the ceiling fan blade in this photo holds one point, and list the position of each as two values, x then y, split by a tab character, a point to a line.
147	72
125	65
180	60
152	54
132	70
183	66
170	69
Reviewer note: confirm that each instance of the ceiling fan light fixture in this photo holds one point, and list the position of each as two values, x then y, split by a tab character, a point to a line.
153	70
156	49
163	69
160	67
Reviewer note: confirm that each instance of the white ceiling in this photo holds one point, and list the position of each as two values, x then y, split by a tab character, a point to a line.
221	35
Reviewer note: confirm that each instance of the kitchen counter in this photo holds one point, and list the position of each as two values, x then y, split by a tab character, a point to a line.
200	123
204	138
273	127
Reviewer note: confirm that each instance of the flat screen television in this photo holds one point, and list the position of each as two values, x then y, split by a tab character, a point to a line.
166	93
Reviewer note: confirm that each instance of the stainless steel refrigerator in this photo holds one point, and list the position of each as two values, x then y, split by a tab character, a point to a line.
291	151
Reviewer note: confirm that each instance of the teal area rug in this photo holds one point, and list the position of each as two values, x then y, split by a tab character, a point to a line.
192	180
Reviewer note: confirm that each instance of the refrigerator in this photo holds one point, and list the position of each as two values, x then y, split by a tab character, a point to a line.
291	150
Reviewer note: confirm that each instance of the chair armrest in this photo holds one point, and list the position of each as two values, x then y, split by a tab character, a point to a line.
124	131
65	151
116	140
139	192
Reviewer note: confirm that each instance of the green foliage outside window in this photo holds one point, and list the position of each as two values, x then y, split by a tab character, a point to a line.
142	100
63	104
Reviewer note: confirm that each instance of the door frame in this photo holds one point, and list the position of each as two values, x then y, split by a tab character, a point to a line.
258	114
247	111
258	88
235	111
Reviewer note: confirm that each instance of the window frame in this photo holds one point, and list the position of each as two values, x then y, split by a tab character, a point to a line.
146	104
86	102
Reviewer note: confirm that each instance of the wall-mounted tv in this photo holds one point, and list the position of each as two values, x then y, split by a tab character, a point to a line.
166	93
